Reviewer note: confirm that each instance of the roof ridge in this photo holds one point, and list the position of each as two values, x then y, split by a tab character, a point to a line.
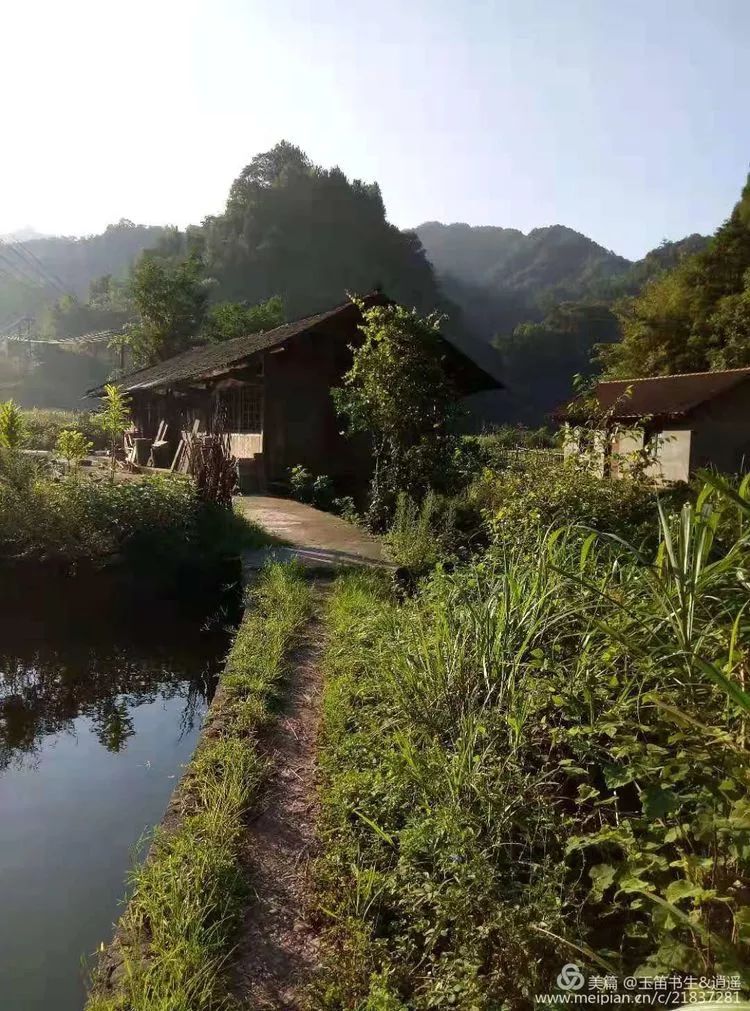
674	375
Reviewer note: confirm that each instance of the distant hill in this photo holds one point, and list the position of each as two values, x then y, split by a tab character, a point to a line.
555	258
544	299
501	277
35	271
23	235
79	261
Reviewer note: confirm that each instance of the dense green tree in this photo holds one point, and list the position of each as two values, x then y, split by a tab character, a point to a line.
731	329
227	320
309	235
170	300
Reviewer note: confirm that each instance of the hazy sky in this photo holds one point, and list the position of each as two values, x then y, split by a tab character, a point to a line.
628	120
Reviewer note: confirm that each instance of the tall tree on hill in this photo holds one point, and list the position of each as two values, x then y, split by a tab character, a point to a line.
695	317
309	234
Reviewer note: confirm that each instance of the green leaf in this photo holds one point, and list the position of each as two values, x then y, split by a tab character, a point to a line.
658	802
602	876
631	883
617	775
681	889
740	816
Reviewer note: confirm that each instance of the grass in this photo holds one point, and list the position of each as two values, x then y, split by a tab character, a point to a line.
177	932
540	758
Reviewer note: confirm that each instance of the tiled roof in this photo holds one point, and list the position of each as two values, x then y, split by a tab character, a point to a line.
214	359
662	396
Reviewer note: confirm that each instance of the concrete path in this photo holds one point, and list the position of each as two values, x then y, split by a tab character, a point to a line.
317	539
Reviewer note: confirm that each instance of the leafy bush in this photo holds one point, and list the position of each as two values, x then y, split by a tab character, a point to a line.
300	483
542	755
43	427
346	508
73	446
519	501
12	428
306	487
322	492
155	520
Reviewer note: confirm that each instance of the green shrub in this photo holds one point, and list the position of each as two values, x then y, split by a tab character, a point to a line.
519	501
154	521
346	508
300	483
43	427
73	447
12	427
314	490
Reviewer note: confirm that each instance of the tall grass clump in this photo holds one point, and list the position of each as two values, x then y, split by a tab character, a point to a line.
540	758
421	535
177	932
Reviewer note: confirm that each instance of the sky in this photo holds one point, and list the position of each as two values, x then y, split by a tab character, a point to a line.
627	121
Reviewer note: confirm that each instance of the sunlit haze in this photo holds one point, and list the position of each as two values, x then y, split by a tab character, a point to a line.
627	122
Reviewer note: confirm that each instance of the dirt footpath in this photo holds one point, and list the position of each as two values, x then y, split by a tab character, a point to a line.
277	952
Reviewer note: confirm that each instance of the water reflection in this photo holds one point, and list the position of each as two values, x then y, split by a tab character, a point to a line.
97	649
101	697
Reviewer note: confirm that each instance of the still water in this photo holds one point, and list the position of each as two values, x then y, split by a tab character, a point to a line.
101	702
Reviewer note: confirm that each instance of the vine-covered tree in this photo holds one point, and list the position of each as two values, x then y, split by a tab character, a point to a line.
400	394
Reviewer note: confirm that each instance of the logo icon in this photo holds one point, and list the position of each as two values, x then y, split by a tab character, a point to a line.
571	977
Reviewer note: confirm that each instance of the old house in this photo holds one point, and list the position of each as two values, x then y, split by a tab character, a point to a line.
272	390
682	422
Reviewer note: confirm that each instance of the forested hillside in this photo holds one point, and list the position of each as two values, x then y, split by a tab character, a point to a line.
695	317
308	234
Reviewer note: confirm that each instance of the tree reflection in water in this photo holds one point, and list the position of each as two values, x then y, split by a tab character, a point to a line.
92	647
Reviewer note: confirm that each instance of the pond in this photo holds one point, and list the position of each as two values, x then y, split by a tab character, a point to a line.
102	695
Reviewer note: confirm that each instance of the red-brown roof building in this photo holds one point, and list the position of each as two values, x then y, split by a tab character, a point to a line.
691	420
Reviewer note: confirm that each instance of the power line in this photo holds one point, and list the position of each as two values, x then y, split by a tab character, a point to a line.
22	271
12	270
20	249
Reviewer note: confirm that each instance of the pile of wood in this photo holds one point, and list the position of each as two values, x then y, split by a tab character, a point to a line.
181	461
205	456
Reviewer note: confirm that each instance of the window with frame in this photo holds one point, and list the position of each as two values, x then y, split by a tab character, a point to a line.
244	408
